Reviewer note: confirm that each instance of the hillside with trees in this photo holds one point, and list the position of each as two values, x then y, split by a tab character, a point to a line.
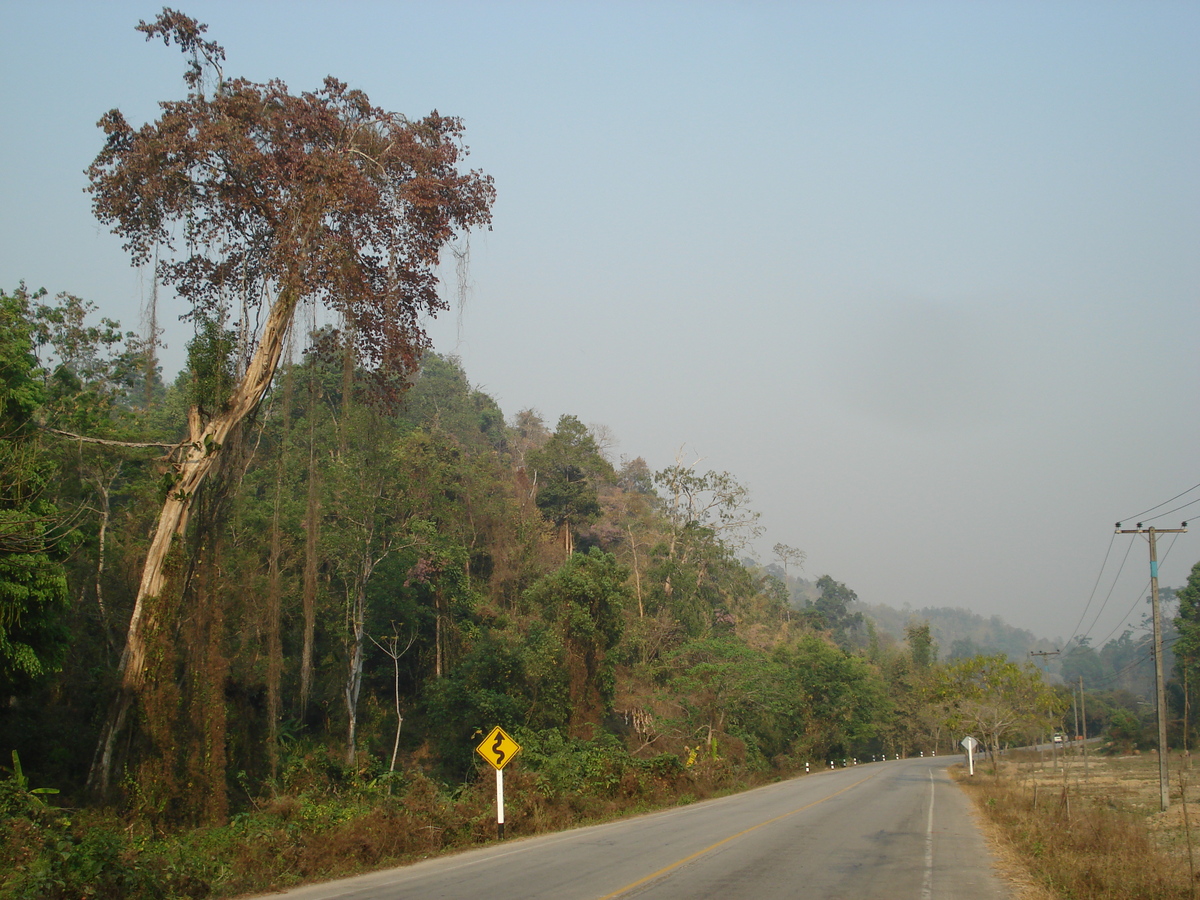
254	621
371	579
959	633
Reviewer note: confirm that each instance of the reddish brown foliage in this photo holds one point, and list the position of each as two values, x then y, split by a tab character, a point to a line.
319	194
255	194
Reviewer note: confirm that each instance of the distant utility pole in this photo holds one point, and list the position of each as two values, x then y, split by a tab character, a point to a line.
1043	654
1083	734
1053	746
1160	684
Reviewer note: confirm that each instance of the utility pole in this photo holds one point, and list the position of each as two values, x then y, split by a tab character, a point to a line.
1160	685
1053	746
1043	654
1083	710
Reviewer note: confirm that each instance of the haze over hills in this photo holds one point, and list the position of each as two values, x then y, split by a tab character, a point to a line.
959	633
289	593
1123	662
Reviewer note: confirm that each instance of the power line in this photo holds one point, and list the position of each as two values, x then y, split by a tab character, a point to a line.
1140	599
1138	663
1129	667
1104	563
1116	578
1164	503
1146	657
1176	509
1171	546
1092	596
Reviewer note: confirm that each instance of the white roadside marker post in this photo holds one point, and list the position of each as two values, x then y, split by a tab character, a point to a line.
500	804
968	743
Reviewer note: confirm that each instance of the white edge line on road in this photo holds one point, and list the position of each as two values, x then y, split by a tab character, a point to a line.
927	886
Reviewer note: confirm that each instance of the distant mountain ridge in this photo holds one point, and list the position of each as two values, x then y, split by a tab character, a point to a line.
959	632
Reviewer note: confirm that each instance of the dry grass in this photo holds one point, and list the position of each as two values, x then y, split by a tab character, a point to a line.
1066	831
289	842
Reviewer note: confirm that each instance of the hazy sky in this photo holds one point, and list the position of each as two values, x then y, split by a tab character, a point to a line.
924	276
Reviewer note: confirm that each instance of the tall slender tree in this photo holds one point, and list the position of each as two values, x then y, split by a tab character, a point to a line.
568	469
253	197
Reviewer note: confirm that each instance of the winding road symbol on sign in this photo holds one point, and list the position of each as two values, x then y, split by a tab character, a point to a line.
498	748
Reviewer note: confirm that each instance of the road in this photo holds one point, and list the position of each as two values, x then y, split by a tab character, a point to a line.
891	830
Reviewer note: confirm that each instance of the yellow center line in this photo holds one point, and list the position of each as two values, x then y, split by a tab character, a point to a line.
687	859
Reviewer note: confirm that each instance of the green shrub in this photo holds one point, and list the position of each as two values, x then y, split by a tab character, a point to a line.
61	857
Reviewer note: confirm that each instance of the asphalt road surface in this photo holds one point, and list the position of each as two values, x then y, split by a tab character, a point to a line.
891	830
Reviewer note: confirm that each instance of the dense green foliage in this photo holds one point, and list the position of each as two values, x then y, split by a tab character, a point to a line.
33	585
436	528
650	662
373	568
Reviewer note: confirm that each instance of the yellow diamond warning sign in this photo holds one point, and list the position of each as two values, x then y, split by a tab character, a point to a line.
498	748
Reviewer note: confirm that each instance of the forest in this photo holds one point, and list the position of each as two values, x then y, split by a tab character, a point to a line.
384	578
254	620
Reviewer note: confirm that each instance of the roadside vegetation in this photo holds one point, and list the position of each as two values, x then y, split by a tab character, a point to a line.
1093	831
326	821
255	619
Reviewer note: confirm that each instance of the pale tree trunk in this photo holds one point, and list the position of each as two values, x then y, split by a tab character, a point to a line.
354	681
637	576
437	634
392	649
311	531
101	550
275	597
399	717
205	441
274	637
358	627
275	587
361	562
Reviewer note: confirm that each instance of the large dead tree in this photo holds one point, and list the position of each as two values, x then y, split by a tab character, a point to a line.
254	198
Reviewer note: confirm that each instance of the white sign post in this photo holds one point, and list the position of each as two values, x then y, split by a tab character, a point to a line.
969	744
500	803
498	749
